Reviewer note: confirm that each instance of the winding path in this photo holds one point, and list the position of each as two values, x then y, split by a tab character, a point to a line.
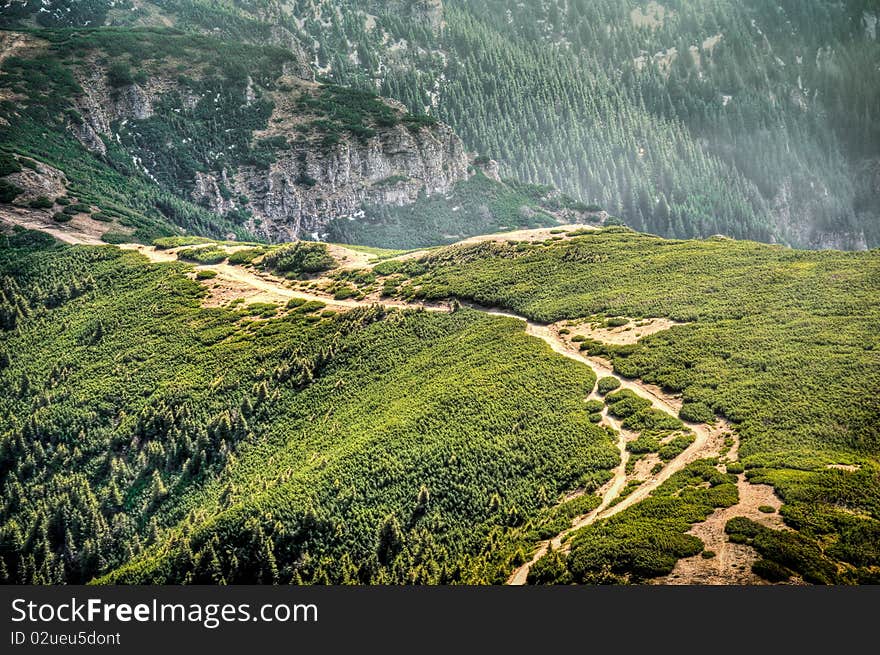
703	445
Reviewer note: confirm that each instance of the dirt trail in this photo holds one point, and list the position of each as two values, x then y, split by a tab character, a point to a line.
274	286
706	442
267	287
612	490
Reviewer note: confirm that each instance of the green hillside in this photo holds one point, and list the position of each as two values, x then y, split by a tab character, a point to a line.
182	444
782	343
561	406
266	443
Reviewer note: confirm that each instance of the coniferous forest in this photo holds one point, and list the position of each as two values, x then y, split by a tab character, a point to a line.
439	292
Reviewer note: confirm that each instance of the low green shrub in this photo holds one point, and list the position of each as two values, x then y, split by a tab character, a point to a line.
299	259
8	164
208	255
115	238
311	306
786	549
345	292
770	571
245	256
406	267
625	403
644	444
61	217
41	202
608	384
166	243
652	420
206	274
696	412
673	448
9	191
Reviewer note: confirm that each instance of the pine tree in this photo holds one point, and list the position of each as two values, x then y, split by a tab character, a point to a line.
390	540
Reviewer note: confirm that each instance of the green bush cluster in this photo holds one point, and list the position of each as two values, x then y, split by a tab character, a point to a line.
8	164
625	403
166	243
9	191
644	541
206	255
784	552
696	412
246	256
607	384
299	259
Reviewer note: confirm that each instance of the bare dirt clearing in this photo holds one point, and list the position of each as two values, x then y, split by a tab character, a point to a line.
620	335
732	563
79	230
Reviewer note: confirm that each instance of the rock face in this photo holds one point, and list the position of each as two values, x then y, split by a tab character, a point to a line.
425	12
300	67
100	105
309	186
797	224
42	181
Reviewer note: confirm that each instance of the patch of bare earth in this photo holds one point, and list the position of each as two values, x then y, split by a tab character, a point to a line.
223	291
349	258
538	234
621	335
19	44
732	563
645	466
79	230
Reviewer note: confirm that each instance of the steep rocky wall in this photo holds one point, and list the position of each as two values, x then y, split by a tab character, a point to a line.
797	224
391	168
309	184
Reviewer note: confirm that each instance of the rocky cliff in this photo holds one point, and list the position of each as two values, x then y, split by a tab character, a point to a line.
308	186
312	178
798	221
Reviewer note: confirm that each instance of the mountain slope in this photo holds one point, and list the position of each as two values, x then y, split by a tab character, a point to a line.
750	119
211	440
156	130
753	120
